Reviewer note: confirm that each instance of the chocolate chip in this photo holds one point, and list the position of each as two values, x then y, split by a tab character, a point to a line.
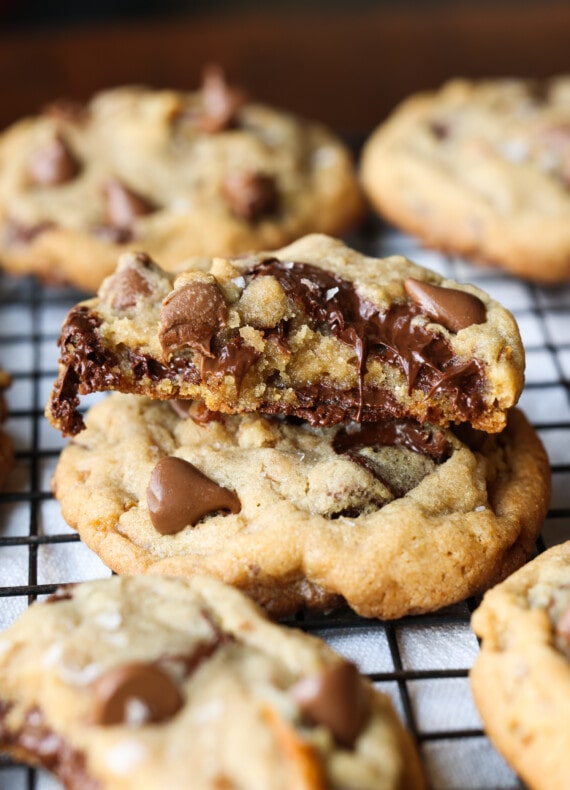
250	195
118	688
53	164
124	205
452	308
191	315
125	288
179	495
336	699
220	102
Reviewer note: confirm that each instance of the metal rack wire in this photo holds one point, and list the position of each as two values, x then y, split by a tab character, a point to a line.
422	662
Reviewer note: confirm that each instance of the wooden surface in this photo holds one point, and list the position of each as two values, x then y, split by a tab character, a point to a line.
345	67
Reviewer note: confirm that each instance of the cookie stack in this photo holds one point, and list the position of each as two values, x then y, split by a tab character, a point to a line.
309	425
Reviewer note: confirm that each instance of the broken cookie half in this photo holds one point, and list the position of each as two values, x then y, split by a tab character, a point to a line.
314	331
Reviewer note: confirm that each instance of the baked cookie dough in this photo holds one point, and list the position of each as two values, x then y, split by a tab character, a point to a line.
6	445
394	518
144	682
173	173
481	168
521	679
314	330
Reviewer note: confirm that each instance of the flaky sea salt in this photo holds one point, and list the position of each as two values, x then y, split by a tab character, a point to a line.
124	756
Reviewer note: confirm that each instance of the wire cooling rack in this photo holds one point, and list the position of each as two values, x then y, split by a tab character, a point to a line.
421	662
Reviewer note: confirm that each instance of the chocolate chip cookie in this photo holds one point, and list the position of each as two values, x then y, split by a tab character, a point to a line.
6	446
393	517
481	168
521	679
314	330
174	173
144	682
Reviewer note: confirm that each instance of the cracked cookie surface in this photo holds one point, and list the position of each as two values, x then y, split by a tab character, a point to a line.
141	682
393	518
521	679
177	174
481	168
314	330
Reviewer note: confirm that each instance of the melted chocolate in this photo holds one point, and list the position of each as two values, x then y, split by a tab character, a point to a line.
332	305
426	359
393	433
234	359
89	367
389	433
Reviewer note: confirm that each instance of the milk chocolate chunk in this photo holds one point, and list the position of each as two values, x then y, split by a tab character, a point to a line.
250	195
453	309
134	693
53	164
336	699
125	288
123	205
191	315
179	495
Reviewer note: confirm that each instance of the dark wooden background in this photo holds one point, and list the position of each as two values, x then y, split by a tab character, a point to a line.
345	66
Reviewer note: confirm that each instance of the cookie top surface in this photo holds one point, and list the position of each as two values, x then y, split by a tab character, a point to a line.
373	514
140	682
521	679
176	174
481	168
314	330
